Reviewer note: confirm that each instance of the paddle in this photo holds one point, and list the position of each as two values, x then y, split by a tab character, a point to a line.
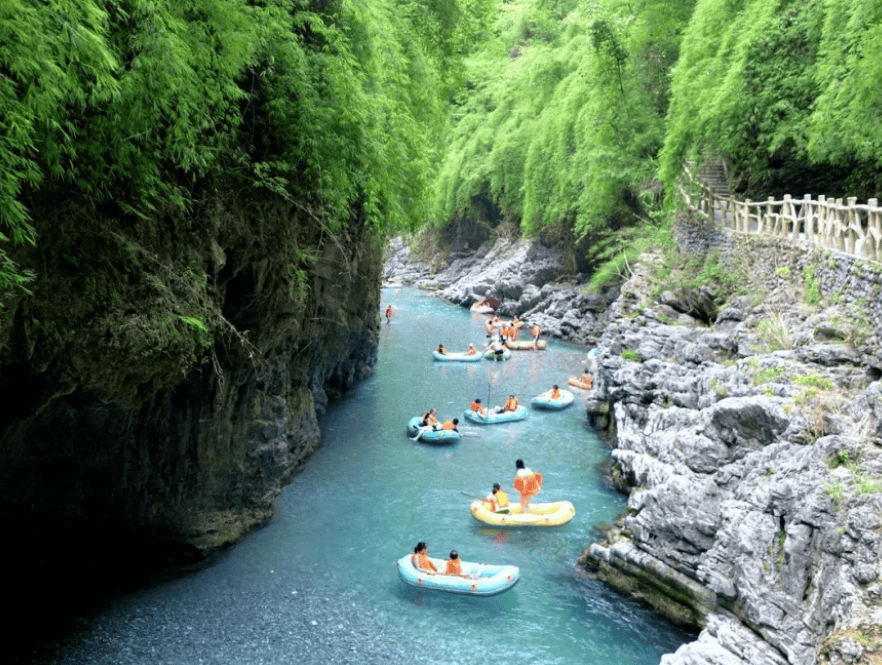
472	496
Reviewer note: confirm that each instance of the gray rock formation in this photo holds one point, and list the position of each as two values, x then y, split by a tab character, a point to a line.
754	468
747	432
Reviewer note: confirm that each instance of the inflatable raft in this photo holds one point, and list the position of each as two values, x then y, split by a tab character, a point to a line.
541	514
490	355
493	418
456	357
544	401
489	579
438	437
578	382
478	308
526	345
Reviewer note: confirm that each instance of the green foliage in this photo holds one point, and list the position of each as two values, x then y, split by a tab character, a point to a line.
834	491
781	82
630	354
564	115
812	288
142	105
719	389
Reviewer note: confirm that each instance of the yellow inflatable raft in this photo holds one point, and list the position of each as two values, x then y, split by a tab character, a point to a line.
579	382
541	514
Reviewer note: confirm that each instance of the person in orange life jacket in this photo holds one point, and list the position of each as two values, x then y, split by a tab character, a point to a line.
471	350
454	565
451	424
511	404
515	328
555	392
528	483
429	421
497	500
535	331
478	408
389	313
421	560
441	349
586	378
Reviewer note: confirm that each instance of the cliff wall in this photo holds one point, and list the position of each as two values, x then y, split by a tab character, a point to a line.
748	434
737	382
164	379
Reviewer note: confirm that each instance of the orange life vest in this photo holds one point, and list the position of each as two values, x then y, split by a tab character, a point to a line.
555	393
454	567
528	483
448	424
535	330
511	404
477	408
425	563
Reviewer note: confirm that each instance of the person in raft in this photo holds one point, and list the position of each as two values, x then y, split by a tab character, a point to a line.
497	500
421	560
451	424
535	331
498	350
454	566
511	404
429	421
478	408
489	328
471	350
555	392
389	313
586	378
528	483
441	349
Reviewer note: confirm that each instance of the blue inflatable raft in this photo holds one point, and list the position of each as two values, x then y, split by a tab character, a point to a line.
493	418
439	437
456	357
544	401
488	579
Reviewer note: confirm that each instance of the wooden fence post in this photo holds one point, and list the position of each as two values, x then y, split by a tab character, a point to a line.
809	223
840	236
874	230
853	221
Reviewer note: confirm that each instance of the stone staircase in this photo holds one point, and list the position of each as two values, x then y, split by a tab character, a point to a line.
713	173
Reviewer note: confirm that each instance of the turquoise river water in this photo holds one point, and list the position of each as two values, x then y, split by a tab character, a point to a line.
322	573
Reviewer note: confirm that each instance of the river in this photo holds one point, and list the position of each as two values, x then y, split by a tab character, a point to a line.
319	584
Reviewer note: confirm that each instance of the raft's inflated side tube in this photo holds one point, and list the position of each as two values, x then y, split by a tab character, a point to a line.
541	514
526	345
456	357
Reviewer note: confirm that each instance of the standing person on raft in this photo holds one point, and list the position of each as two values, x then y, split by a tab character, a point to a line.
528	483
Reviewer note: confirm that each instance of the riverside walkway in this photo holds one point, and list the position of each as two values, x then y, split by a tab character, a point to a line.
839	224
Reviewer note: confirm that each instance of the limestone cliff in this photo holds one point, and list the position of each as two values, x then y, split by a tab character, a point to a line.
744	412
748	437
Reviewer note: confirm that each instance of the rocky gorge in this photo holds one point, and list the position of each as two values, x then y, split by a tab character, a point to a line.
743	409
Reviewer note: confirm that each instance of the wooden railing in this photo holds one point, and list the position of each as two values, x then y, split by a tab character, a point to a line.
847	227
